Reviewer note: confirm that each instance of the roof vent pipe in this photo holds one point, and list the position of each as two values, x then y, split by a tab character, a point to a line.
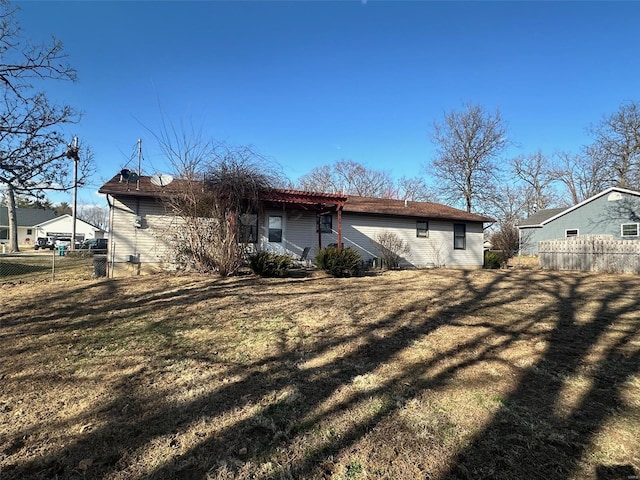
405	202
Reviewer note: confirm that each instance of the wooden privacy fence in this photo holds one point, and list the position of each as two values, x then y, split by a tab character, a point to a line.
596	253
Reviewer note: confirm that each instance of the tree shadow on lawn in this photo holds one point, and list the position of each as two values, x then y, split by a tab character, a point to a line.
536	434
88	304
281	401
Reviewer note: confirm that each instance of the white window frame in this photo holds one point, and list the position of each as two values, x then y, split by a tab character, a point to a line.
275	229
460	236
422	233
622	234
566	232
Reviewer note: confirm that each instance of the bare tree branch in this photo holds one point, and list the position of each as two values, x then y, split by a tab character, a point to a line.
468	143
617	145
32	146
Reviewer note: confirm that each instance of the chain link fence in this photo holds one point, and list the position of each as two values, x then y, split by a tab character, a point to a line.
51	265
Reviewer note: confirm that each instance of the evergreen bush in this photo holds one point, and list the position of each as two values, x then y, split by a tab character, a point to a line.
267	264
492	260
339	263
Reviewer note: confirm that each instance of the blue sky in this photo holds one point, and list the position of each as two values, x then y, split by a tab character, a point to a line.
311	83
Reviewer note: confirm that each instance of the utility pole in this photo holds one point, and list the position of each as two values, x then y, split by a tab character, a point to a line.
139	163
72	152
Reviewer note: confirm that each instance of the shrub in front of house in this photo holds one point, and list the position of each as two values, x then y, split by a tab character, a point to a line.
267	264
390	249
339	263
492	260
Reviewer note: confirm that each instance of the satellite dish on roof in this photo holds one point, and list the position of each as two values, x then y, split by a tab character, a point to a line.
161	179
125	173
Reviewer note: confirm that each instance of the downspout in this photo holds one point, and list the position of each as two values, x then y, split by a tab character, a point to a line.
110	244
519	242
340	205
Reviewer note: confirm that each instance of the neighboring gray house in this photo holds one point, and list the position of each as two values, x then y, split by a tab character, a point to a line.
438	235
27	219
614	212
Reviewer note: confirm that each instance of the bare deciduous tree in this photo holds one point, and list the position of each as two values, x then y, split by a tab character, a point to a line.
390	249
320	179
220	186
506	241
617	145
581	176
32	146
509	209
348	177
353	178
415	189
93	214
510	204
468	143
535	172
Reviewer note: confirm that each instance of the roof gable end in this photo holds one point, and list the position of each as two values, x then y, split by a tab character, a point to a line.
591	199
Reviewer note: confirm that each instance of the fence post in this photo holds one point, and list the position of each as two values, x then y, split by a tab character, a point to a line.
53	265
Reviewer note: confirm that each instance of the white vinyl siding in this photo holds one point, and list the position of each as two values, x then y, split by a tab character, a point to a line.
359	232
299	230
152	241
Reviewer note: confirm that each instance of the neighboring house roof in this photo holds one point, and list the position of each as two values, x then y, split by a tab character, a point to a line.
547	216
27	217
352	204
538	218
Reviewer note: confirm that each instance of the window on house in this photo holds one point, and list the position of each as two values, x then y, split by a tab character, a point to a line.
4	233
459	236
29	231
422	229
629	229
248	228
571	233
326	223
275	229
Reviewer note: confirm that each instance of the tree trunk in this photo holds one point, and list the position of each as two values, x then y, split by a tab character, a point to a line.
13	220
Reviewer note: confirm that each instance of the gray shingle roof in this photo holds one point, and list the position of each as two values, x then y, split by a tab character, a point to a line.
539	217
27	217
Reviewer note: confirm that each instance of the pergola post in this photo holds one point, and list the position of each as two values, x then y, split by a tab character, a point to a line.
339	210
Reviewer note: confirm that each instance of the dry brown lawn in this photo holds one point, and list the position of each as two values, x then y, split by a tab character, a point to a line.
511	374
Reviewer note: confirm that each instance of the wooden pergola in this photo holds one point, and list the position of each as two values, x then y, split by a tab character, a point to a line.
320	203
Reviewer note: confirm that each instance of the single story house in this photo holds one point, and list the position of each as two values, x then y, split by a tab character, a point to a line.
142	228
614	212
62	226
27	219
